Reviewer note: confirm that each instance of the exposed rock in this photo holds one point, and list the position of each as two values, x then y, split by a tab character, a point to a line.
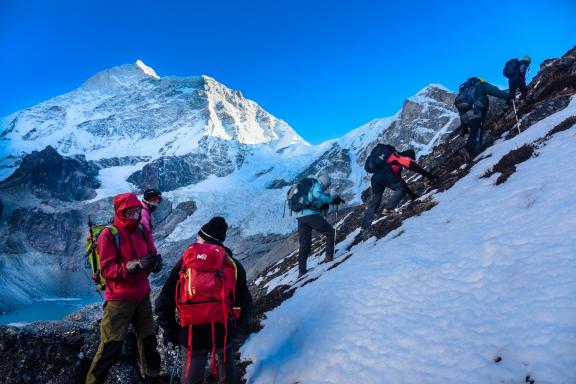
47	232
424	121
169	173
164	227
48	175
507	164
42	355
120	161
278	184
263	172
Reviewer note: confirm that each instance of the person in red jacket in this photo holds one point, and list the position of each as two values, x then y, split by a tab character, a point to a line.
125	267
390	176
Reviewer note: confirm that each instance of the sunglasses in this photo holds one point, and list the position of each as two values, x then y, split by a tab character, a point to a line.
131	212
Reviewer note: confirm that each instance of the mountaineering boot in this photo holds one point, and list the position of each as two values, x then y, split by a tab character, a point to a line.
466	155
327	260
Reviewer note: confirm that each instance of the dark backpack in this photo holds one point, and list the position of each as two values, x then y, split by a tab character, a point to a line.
467	98
511	68
297	195
376	161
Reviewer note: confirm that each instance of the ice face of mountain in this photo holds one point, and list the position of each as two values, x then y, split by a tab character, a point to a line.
130	110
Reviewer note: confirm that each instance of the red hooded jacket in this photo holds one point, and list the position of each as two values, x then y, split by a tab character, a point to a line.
120	286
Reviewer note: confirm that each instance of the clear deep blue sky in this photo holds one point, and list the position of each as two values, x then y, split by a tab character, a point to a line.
325	67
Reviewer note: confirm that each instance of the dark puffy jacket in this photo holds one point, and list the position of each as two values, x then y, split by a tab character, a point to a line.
165	308
120	286
523	66
397	163
485	89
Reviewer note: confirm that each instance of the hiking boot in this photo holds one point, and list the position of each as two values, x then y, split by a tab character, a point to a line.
300	274
327	260
468	158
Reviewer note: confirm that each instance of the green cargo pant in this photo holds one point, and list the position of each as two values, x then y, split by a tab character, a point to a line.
118	315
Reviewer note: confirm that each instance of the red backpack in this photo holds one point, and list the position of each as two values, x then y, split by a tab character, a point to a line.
205	292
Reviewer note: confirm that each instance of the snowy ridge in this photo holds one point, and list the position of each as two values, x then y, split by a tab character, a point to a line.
130	110
479	289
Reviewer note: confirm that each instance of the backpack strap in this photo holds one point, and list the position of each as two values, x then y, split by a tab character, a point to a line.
116	236
142	231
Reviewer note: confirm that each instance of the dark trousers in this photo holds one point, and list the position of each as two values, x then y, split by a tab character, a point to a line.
475	137
305	226
378	188
514	84
199	361
118	315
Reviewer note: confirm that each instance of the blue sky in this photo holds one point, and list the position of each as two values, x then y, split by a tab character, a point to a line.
325	67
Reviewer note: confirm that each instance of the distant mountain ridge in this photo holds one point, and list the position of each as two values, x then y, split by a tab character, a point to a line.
210	150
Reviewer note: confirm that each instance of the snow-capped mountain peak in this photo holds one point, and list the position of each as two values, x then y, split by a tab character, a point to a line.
146	69
113	79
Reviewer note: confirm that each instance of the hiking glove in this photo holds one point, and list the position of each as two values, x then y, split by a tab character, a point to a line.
158	265
324	207
464	130
150	262
133	267
337	200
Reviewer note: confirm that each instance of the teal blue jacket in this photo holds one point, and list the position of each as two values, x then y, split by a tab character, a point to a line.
318	197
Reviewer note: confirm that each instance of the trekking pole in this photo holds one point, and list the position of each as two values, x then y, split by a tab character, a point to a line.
175	365
516	115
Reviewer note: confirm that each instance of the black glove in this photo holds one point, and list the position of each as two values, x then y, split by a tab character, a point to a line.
152	262
324	207
171	336
133	267
337	200
464	130
158	265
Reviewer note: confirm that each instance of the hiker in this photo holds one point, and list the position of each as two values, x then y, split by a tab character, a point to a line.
150	201
472	104
310	217
214	321
386	166
515	70
125	267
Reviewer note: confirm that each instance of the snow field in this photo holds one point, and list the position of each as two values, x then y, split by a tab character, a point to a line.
489	272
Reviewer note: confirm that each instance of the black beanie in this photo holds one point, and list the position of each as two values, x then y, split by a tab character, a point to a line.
214	230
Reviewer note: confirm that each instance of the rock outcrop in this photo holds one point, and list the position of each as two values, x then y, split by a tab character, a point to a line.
48	175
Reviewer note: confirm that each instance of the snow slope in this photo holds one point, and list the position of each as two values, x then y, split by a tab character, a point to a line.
488	273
